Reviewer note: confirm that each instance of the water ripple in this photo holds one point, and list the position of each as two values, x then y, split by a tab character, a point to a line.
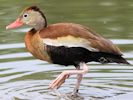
23	80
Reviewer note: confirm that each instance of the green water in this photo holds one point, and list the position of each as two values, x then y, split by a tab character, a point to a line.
22	77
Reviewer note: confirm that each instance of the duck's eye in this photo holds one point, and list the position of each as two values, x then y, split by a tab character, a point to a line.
25	15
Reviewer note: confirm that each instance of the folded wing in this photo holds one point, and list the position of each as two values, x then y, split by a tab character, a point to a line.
75	35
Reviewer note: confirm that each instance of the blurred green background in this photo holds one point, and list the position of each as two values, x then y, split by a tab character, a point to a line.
111	18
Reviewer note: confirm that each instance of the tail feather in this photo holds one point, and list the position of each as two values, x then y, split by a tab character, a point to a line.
118	59
103	57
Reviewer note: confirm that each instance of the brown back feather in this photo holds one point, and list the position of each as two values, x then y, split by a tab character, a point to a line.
76	30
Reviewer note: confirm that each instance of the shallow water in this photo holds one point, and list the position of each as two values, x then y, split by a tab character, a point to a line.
22	77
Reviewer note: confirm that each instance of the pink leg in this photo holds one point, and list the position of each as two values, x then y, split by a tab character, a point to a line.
65	74
79	79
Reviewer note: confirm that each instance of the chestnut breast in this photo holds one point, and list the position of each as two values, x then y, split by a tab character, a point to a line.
35	45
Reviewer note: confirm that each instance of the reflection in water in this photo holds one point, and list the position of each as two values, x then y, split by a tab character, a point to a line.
24	78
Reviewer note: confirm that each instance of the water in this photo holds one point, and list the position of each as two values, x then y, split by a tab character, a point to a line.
22	77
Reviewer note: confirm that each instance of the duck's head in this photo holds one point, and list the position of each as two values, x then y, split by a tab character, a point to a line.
31	16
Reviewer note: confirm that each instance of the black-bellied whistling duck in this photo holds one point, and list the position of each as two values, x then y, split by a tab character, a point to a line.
65	44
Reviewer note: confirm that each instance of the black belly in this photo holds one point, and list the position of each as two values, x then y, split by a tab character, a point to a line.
74	55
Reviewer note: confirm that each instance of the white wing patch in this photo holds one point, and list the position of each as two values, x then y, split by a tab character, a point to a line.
69	41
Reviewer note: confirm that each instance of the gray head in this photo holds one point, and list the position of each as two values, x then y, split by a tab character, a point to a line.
31	16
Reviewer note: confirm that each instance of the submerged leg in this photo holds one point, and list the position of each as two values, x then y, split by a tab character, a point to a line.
65	74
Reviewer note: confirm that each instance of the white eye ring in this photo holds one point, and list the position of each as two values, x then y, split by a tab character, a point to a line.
25	15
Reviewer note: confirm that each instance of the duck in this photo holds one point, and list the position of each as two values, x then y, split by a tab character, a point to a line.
66	44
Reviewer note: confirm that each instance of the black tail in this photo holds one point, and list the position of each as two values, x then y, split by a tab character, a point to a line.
103	57
118	59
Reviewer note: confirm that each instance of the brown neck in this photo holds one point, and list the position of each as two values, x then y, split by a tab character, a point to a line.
32	31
